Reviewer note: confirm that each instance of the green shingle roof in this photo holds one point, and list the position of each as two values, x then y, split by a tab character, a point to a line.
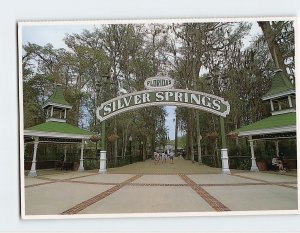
59	127
58	97
276	121
280	84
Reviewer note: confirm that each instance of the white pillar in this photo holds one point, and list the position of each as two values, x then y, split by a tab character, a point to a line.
272	106
254	167
51	111
65	113
224	158
290	101
65	153
81	168
102	168
279	105
32	171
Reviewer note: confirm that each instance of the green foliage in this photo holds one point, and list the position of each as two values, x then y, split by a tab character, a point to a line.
289	148
91	163
181	142
131	53
240	163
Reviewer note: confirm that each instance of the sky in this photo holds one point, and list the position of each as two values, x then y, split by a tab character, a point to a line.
54	34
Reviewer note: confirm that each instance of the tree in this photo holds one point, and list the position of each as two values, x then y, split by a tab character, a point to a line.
130	53
280	39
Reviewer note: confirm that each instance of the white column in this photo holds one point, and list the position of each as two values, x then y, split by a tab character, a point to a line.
279	105
224	158
102	168
32	171
254	167
272	106
65	113
65	153
51	111
81	168
290	101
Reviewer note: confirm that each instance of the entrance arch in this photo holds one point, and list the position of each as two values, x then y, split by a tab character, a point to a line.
177	97
161	95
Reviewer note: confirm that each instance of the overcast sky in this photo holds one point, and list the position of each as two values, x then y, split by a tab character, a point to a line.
54	34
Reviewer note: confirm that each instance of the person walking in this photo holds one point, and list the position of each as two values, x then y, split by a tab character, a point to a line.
163	157
172	156
156	157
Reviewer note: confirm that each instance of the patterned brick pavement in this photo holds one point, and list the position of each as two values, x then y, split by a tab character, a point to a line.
147	184
52	180
213	202
34	185
76	209
282	184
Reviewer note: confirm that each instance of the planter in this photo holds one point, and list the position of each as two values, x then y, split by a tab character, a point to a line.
75	166
112	137
262	166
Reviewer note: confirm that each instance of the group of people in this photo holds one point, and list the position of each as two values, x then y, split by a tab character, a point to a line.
277	162
162	156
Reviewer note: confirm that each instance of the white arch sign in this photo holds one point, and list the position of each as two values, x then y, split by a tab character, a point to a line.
158	97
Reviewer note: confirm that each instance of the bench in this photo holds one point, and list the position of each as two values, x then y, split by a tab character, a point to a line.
271	167
288	164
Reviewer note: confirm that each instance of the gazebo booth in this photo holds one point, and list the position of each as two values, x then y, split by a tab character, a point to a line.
281	125
55	129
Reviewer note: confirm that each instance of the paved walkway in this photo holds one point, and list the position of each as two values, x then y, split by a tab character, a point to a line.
179	166
148	188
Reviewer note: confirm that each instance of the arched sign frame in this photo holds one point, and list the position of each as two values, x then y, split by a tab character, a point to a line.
165	87
144	93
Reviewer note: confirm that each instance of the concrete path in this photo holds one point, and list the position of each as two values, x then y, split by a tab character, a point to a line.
179	166
148	188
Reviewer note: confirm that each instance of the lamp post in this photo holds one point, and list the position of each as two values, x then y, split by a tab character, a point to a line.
130	151
102	168
222	82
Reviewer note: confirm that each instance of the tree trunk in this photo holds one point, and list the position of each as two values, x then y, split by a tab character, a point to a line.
144	150
192	136
187	143
78	100
198	138
273	45
153	140
123	144
115	152
237	144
